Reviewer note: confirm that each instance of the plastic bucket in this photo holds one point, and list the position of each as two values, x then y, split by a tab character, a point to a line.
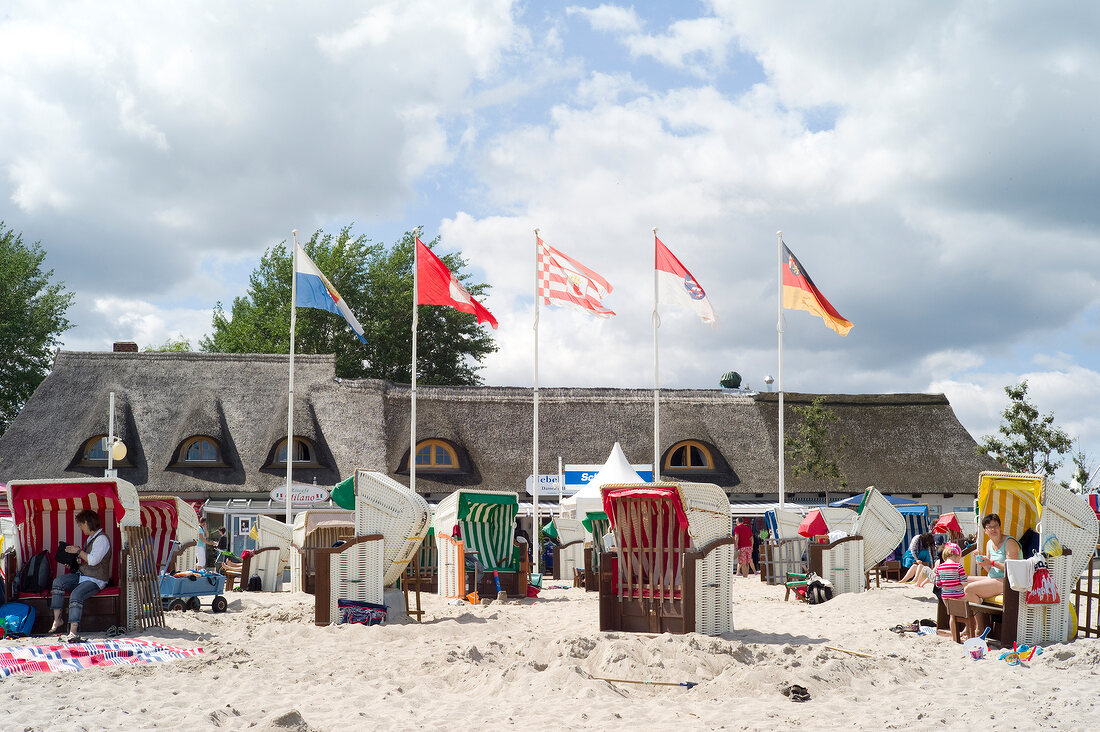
976	648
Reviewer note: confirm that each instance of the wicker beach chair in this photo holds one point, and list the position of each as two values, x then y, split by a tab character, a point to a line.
569	553
390	524
671	570
1025	502
315	529
880	524
45	512
840	562
783	552
271	557
171	519
484	522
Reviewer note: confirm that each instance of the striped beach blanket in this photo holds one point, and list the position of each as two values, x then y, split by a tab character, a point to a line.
78	656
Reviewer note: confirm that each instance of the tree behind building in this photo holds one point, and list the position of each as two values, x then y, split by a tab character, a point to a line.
32	319
812	450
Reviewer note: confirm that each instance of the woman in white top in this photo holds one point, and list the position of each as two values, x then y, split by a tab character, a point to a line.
94	559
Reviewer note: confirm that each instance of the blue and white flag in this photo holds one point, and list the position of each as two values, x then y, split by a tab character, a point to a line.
315	291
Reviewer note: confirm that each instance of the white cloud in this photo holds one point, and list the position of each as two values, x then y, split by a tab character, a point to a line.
608	18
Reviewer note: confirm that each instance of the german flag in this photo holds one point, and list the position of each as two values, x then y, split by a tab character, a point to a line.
800	293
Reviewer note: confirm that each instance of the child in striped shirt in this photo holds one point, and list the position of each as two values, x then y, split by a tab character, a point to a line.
950	576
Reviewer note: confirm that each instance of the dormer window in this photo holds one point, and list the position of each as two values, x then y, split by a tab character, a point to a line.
689	455
200	451
305	454
436	455
440	458
94	454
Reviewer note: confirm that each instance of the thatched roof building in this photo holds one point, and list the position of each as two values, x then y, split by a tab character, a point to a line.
214	425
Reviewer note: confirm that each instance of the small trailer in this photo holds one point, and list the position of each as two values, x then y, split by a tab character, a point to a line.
183	593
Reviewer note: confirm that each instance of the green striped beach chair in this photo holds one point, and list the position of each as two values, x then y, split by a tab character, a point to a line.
479	524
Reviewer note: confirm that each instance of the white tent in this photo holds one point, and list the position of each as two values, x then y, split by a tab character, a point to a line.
616	470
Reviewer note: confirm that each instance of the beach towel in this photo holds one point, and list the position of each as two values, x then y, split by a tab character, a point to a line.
15	660
1020	573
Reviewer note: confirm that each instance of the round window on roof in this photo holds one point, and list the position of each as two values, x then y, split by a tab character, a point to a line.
689	455
200	451
436	454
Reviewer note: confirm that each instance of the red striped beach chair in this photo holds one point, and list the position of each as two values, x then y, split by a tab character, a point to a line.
171	519
45	513
672	567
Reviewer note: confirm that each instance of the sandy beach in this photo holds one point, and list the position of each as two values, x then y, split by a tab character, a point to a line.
537	664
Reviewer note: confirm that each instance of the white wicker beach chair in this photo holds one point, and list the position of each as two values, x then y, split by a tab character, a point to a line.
390	523
1028	501
569	554
314	529
672	567
486	522
880	524
272	554
384	506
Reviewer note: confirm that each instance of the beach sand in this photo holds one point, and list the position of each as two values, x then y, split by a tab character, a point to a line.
534	664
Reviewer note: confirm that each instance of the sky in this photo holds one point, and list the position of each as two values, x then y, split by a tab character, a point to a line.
934	167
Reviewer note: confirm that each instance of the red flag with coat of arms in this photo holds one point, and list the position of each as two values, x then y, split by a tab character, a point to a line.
565	281
676	286
437	285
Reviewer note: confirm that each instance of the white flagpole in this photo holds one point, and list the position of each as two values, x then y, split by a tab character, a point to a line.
290	391
535	448
656	378
561	479
779	328
412	410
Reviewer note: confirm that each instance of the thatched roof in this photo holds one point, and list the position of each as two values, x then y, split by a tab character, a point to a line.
902	443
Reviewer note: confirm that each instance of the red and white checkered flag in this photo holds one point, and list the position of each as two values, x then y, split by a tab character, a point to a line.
565	281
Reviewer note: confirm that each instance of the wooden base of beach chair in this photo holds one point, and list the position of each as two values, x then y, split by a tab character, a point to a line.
578	578
514	583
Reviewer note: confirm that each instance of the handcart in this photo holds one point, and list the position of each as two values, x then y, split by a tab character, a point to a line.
184	593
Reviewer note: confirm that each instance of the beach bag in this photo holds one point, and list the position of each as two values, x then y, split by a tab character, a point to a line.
1043	590
361	613
34	576
818	589
255	584
17	618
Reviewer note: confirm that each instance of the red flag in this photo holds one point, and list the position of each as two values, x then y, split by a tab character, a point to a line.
800	293
568	282
437	286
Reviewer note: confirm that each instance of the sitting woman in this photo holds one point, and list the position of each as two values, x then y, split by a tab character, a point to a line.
919	558
94	560
999	548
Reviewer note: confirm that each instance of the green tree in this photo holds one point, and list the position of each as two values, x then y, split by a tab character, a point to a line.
32	319
813	450
1030	443
172	345
377	284
1083	469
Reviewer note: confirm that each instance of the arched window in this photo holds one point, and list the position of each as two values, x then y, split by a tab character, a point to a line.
94	454
437	455
689	455
304	453
200	450
95	450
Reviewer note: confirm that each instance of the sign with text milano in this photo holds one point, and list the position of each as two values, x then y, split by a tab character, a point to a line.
300	495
